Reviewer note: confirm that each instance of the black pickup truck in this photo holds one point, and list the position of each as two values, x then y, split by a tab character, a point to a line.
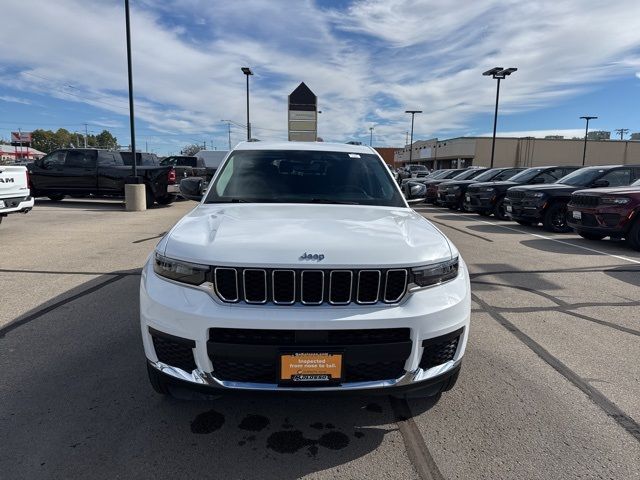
532	204
102	173
486	198
186	166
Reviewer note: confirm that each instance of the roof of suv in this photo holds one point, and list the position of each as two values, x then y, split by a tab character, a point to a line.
312	146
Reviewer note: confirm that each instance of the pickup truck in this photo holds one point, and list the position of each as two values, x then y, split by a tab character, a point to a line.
186	166
532	204
14	190
101	173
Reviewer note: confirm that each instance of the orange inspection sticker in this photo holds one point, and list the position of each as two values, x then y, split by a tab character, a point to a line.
311	367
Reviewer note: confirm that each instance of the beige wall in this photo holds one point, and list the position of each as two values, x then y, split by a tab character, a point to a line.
532	152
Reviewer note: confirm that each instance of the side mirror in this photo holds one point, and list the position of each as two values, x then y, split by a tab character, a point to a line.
191	188
600	183
417	192
537	180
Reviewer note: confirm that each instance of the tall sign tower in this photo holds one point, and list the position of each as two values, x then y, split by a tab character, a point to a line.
303	115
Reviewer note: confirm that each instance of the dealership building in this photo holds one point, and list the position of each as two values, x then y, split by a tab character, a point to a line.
517	152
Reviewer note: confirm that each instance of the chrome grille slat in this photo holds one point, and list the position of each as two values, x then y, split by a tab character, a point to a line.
257	296
302	279
218	279
338	287
275	291
360	291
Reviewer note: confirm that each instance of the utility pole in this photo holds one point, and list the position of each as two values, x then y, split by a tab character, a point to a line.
146	146
228	122
86	133
130	79
247	72
406	138
371	136
622	132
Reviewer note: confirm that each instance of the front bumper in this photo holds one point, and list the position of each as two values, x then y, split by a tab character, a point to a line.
525	210
603	220
480	202
190	315
16	205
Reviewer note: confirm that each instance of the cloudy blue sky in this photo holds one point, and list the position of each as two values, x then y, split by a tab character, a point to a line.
63	64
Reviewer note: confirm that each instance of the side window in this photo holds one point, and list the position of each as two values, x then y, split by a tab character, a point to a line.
106	159
618	178
549	176
507	174
80	159
53	160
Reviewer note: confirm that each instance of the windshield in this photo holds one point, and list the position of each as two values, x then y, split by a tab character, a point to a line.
582	177
290	176
636	183
526	175
415	168
487	175
469	174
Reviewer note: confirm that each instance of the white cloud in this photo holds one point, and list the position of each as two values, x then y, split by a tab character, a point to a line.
367	64
12	99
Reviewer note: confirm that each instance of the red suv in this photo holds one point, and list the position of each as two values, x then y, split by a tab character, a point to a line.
607	212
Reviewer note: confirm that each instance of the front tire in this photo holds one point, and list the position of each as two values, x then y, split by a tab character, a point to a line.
591	236
499	211
157	381
555	219
633	238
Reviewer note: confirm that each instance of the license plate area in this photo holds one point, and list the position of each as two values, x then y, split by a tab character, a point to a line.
576	214
509	208
310	368
1	204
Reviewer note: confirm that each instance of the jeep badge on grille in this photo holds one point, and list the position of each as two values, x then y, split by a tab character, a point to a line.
318	257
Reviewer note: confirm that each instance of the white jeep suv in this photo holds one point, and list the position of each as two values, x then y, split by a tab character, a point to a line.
304	269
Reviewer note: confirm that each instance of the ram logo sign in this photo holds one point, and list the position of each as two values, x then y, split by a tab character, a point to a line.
7	180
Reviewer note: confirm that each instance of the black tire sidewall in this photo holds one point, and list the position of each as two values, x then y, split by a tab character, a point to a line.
548	218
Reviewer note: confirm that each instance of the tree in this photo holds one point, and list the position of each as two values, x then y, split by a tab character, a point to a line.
191	150
105	140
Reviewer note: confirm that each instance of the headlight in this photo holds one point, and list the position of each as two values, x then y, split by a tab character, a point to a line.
615	200
536	194
179	271
435	274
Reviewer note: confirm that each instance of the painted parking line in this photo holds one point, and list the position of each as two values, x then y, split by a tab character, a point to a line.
544	237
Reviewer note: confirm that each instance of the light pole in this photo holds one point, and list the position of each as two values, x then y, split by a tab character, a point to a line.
247	71
498	73
130	76
371	136
413	114
586	131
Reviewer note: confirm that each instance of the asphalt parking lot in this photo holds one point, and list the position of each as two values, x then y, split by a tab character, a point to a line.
550	385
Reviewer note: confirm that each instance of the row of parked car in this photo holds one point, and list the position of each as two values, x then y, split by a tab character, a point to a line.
597	202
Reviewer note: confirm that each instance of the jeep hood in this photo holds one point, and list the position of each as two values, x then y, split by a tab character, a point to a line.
277	235
546	187
630	190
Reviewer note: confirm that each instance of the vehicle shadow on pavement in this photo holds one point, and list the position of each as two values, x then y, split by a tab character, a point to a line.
97	205
77	404
557	247
629	275
486	228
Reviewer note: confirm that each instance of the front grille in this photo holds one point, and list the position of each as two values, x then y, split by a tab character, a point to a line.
252	355
440	350
310	287
587	220
174	351
585	200
515	194
610	219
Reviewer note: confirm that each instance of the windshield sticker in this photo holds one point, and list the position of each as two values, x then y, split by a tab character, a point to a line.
354	155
